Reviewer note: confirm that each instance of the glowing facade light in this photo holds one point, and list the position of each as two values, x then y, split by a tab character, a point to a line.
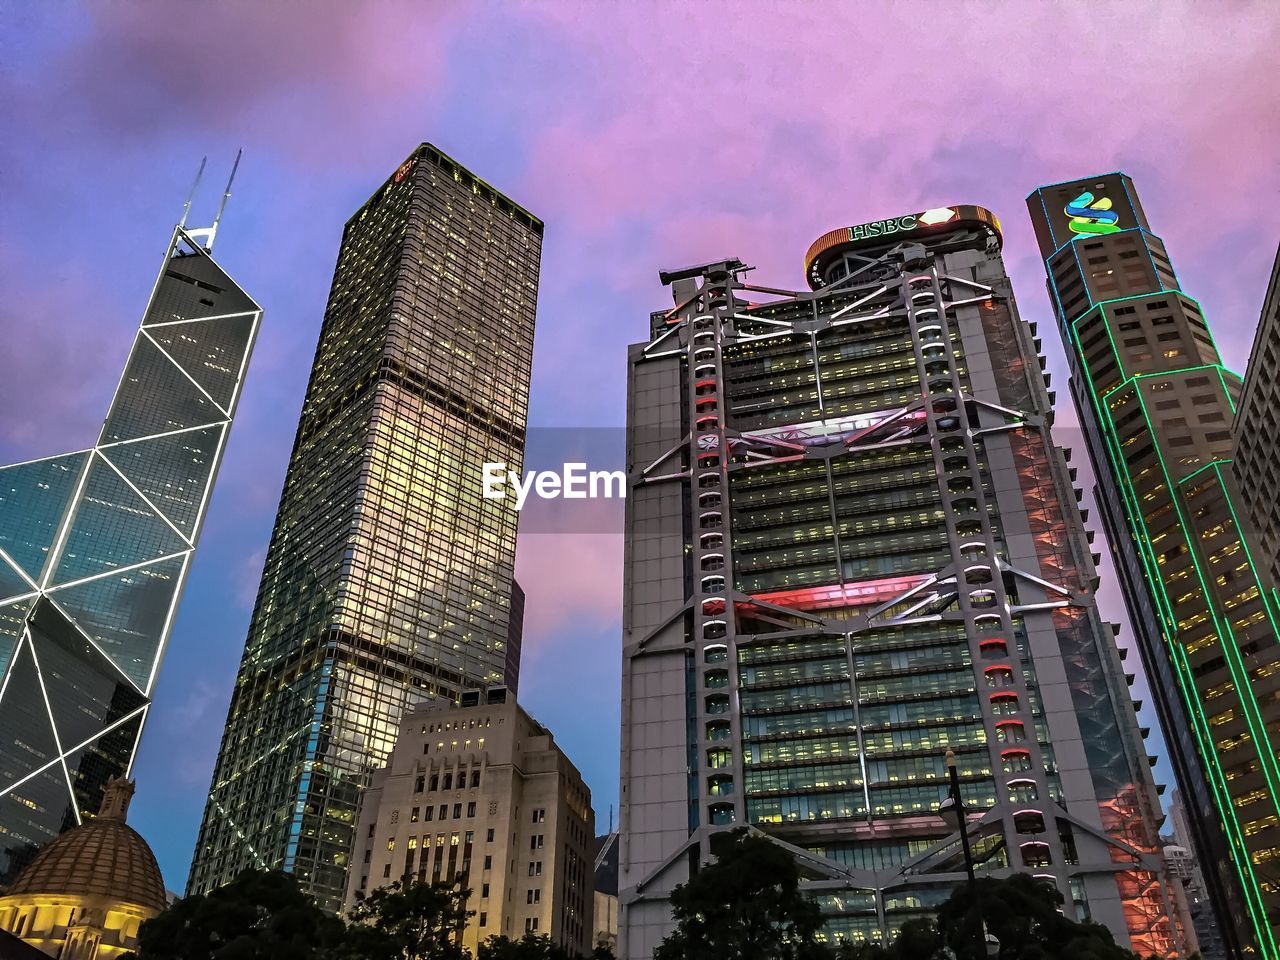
937	215
95	546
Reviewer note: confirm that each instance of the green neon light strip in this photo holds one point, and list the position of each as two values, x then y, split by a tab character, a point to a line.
1139	296
1199	470
1222	376
1249	706
1155	374
1200	725
1146	235
1257	580
1226	636
1182	672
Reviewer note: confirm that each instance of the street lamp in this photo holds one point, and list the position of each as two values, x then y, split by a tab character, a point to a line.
952	810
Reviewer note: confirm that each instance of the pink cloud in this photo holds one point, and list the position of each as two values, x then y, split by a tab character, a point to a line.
572	584
724	133
760	127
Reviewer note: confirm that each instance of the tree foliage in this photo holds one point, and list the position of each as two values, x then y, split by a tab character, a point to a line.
409	921
258	916
264	916
748	904
529	947
1022	913
745	905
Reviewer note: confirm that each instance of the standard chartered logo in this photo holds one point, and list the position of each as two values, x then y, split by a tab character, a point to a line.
1091	216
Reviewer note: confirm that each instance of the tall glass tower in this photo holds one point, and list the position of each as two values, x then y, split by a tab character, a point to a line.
1256	463
851	547
389	577
95	546
1157	406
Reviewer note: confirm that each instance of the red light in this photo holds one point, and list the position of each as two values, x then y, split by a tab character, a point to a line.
858	594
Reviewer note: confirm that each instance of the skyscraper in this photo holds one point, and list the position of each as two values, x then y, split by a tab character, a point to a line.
1156	405
1256	464
95	546
852	545
388	579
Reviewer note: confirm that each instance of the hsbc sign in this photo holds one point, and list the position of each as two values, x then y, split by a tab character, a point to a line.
880	228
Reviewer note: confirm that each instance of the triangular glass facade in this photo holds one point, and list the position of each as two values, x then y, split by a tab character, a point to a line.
156	396
33	500
113	527
125	613
171	471
210	350
97	761
13	620
93	550
12	582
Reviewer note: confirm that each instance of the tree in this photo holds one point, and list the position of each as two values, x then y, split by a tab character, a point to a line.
533	947
258	916
530	947
918	940
1022	913
745	905
409	920
748	905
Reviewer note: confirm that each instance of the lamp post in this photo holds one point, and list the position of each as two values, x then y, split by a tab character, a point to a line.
952	810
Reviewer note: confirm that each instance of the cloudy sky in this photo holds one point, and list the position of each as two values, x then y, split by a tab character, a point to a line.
646	135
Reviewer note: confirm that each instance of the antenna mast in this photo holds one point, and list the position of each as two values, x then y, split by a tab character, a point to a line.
226	195
186	207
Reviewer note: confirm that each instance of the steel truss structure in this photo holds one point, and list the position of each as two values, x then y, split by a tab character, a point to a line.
95	546
992	647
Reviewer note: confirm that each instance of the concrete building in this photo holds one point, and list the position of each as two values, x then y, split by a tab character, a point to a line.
86	894
1184	866
480	793
1156	405
851	546
95	547
1256	464
389	578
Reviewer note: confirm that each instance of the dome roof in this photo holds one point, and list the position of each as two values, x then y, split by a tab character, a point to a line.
101	857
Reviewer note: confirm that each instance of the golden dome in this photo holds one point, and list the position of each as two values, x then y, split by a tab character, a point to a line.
103	857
